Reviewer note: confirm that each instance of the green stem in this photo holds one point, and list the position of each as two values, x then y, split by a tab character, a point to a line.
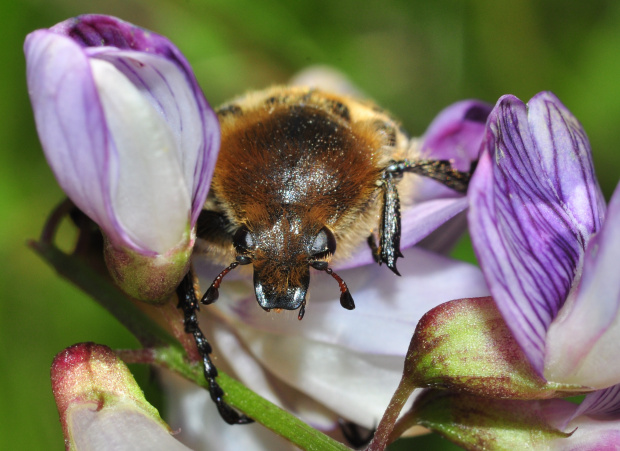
404	423
77	271
383	434
169	353
237	395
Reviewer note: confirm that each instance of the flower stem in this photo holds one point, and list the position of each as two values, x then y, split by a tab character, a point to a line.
74	269
253	405
383	435
404	423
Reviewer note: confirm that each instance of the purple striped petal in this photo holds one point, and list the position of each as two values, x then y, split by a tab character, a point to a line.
528	227
566	161
583	342
594	424
601	404
456	133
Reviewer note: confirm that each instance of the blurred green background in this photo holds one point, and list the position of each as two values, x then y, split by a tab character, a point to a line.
412	57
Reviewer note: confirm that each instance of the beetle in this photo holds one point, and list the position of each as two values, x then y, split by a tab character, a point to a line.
303	178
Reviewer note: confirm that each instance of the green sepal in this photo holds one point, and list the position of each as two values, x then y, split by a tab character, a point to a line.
476	423
465	346
151	279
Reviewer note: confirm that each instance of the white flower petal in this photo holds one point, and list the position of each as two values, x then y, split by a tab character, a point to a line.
330	355
240	363
582	343
192	124
148	185
118	429
356	386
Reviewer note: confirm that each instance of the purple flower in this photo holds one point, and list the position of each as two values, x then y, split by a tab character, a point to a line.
131	140
125	128
545	244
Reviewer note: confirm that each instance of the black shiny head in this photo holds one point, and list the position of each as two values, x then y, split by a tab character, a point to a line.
282	254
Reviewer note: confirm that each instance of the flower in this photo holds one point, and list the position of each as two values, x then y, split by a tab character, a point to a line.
130	138
101	407
546	247
545	244
335	363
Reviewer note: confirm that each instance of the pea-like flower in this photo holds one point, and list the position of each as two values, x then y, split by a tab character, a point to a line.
548	250
130	138
546	245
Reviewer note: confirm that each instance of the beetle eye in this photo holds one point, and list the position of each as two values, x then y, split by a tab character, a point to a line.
324	244
243	240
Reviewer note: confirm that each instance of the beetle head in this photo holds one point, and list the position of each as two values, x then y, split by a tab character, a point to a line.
282	252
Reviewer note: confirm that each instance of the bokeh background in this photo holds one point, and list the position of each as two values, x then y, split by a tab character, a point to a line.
412	57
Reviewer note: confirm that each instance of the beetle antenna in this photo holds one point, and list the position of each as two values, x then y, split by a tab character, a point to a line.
213	292
302	311
346	300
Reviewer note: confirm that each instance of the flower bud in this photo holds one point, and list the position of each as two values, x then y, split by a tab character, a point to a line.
466	346
100	405
130	138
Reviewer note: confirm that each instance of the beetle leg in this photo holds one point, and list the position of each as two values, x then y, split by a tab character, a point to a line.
188	302
357	436
388	251
389	229
372	244
440	170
